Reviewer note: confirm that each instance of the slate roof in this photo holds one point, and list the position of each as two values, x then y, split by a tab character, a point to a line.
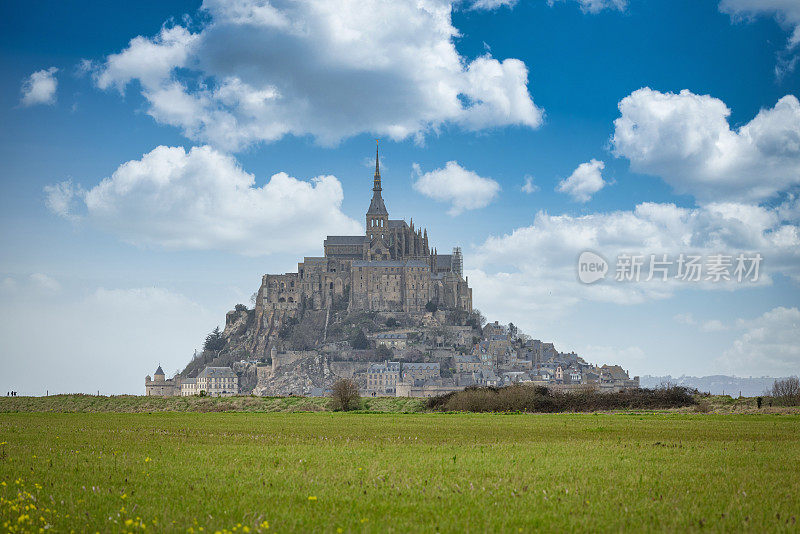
397	223
217	372
391	336
421	365
159	371
390	263
376	206
386	367
345	240
444	261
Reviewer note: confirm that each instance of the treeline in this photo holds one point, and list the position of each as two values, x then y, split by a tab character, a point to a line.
525	398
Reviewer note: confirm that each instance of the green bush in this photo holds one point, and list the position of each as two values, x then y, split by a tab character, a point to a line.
345	395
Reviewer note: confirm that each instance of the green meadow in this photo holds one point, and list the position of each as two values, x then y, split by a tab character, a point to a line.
390	472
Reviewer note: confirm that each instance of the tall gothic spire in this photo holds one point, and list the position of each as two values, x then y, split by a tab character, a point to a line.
376	206
377	179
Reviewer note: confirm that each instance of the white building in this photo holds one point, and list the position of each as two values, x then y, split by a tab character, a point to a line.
213	381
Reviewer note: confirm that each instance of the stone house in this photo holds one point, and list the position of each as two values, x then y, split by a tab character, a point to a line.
467	363
382	378
413	372
391	340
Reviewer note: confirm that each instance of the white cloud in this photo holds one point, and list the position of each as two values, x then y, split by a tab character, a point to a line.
531	272
768	345
492	4
596	6
529	187
463	189
45	283
584	181
329	69
40	88
787	12
203	200
686	139
61	198
685	318
714	325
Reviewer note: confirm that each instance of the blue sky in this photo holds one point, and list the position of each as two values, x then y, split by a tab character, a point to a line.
100	284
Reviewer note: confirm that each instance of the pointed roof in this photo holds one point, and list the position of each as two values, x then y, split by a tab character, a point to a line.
159	371
376	206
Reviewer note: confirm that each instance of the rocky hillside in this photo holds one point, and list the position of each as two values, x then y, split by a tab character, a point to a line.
337	336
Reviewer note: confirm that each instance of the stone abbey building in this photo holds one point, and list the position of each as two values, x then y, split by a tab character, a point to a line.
391	268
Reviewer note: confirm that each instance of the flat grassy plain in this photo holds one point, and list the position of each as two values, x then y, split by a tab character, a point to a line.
372	472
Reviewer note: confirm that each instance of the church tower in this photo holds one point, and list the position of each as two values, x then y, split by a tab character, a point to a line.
377	216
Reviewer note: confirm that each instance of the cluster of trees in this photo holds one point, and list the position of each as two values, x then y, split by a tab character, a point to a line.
786	392
526	398
215	342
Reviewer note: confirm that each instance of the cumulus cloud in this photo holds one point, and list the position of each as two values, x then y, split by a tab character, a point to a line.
44	282
768	345
40	88
61	198
489	5
584	181
596	6
787	13
686	139
202	199
463	189
532	271
258	71
714	325
529	187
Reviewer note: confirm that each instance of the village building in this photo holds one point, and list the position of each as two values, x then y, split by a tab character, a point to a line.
391	340
160	386
212	381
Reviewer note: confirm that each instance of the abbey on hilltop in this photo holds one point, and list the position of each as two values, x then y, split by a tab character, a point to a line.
391	268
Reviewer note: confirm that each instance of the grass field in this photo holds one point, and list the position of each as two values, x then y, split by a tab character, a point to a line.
321	472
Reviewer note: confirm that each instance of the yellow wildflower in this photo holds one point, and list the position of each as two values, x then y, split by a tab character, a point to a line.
265	524
312	497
